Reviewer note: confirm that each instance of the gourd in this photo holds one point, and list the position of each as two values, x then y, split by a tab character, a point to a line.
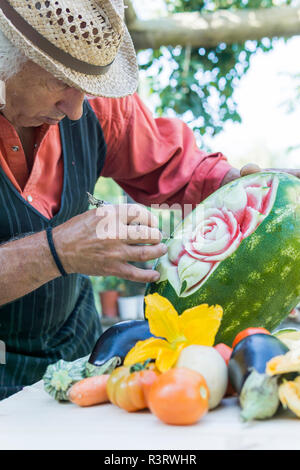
259	397
60	376
210	364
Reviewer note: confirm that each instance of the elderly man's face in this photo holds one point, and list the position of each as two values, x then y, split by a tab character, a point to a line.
34	97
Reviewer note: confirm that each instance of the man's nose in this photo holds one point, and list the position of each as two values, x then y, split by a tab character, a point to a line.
71	104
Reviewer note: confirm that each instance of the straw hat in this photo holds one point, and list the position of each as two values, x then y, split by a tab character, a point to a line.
84	43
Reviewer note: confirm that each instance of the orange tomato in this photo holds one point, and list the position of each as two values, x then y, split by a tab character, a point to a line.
129	390
179	396
247	332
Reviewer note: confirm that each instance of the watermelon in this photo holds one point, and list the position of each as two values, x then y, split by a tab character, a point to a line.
240	248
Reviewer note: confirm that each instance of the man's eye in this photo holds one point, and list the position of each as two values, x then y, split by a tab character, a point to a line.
56	85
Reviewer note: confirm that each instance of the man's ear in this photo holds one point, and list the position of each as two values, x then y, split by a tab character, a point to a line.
2	94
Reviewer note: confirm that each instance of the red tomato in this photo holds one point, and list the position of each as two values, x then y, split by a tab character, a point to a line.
247	332
225	352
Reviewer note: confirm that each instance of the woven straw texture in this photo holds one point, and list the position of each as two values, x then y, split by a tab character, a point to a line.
92	31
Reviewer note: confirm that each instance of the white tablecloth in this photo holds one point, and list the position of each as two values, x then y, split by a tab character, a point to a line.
31	419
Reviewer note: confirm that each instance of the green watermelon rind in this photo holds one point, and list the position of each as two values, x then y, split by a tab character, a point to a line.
269	263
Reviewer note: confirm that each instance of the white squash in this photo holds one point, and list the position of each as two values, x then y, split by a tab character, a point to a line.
209	363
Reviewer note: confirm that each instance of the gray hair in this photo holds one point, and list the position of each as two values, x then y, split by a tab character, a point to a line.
11	58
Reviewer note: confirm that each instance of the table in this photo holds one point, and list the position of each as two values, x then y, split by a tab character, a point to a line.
31	419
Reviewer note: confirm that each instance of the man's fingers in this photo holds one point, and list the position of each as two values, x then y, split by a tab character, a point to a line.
142	234
113	222
132	273
290	171
249	169
253	168
134	214
145	253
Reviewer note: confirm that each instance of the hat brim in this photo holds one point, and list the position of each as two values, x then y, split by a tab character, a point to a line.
120	80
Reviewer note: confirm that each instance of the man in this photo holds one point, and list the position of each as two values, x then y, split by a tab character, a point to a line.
54	145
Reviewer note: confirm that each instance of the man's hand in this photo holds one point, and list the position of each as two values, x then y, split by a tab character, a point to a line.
253	168
98	242
250	168
102	242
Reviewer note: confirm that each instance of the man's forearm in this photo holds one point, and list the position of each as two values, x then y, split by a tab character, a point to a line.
25	265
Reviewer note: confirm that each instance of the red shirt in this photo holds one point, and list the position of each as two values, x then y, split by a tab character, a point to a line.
153	160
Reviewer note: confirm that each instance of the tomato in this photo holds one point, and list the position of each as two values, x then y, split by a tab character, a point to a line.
247	332
225	352
179	396
129	390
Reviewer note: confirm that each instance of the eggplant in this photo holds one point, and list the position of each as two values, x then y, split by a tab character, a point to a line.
252	352
117	341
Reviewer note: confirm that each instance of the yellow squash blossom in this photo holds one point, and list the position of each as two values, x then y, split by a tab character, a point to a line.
289	395
173	332
288	362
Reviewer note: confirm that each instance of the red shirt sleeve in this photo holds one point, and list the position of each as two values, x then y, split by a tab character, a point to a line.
155	160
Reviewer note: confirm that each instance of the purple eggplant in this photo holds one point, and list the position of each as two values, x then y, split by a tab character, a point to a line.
117	340
252	352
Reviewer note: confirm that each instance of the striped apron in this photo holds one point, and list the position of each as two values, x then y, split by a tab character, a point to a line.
59	319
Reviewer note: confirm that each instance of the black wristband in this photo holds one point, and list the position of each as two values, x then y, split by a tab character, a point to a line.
54	253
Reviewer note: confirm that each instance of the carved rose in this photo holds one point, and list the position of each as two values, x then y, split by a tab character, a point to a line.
220	227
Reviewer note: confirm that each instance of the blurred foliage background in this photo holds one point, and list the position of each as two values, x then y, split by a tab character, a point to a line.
201	81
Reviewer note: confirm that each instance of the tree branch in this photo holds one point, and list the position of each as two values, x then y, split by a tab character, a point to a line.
130	14
210	29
